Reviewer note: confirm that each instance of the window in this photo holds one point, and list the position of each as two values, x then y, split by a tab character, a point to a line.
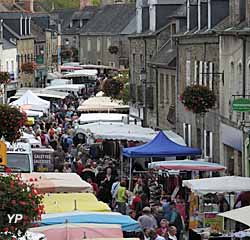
161	90
188	72
167	88
89	44
142	61
7	66
187	133
12	66
173	91
208	144
111	64
108	42
98	45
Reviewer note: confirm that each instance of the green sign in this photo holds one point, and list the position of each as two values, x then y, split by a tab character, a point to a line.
241	105
39	59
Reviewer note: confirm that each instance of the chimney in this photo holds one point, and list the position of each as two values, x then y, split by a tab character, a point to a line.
188	15
84	3
21	25
139	16
1	30
25	25
152	17
29	5
248	12
199	15
234	12
29	31
209	14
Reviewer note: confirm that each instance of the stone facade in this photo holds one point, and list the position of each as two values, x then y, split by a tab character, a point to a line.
95	50
200	131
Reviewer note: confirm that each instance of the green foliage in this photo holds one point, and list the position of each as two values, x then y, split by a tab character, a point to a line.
11	120
118	87
4	77
18	197
198	99
96	3
60	3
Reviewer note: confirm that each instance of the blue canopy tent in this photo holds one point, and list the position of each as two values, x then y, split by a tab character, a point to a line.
126	222
160	146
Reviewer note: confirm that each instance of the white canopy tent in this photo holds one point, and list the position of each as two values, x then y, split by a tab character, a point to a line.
82	73
31	113
120	131
104	117
36	103
218	184
102	104
240	215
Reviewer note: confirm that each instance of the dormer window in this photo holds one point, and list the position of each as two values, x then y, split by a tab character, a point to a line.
71	24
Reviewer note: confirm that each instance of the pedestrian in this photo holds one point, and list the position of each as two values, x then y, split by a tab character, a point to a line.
137	203
154	236
175	219
163	229
121	198
147	220
172	233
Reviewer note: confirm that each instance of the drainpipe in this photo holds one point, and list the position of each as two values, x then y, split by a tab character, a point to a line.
157	101
177	85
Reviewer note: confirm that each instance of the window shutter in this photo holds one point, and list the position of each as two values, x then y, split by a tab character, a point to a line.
205	74
195	72
211	70
189	135
188	79
210	144
205	143
200	73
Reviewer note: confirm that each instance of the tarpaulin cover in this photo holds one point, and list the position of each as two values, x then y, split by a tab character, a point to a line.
126	222
187	165
67	202
240	215
78	231
57	182
218	184
160	146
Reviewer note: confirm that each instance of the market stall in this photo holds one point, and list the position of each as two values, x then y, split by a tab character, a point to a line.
35	103
160	146
67	202
75	231
57	182
187	165
127	224
204	214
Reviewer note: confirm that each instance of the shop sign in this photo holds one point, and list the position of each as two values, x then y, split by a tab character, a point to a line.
43	161
241	105
39	59
213	221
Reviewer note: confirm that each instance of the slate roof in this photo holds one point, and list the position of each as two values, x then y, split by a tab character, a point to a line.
7	44
85	14
165	57
110	19
37	32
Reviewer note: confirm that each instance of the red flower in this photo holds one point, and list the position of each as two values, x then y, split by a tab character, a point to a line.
22	203
31	179
7	170
6	229
13	202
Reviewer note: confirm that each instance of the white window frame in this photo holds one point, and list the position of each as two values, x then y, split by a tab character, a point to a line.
188	73
210	70
200	73
89	44
108	42
195	71
210	144
188	138
98	45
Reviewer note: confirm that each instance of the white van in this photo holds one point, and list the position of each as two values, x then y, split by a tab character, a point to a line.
19	157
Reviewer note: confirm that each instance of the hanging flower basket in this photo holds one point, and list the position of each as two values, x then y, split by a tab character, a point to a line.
18	197
4	77
112	88
198	99
28	67
11	120
113	49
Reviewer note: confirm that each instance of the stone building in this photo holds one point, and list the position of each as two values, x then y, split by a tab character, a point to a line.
108	29
17	30
235	63
152	62
198	63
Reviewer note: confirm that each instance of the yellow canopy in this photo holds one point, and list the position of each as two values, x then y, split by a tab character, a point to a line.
68	202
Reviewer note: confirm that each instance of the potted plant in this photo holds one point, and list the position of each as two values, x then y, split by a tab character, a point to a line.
18	197
113	49
4	77
198	99
11	120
